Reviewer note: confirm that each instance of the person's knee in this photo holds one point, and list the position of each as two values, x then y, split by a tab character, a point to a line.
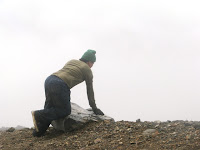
67	112
61	113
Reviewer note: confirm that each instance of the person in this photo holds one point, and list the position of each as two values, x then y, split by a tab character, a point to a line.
57	92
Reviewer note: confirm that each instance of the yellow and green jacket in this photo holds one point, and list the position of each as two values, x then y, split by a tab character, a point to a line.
75	72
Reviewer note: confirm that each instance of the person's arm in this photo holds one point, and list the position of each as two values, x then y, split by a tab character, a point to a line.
90	93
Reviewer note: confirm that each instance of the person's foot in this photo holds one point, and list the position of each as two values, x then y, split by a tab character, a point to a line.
34	121
39	124
37	134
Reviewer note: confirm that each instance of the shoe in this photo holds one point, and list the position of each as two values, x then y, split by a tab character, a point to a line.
34	121
37	134
40	125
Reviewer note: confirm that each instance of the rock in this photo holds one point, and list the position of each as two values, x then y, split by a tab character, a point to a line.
188	137
174	134
20	127
149	132
138	120
158	121
120	143
116	128
132	142
98	140
77	119
10	129
129	129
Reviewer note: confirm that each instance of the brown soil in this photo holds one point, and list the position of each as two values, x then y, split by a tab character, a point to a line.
106	135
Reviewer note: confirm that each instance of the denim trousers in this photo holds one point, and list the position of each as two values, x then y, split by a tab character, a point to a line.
57	104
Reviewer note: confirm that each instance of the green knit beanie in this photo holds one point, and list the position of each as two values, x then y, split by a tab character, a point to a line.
89	55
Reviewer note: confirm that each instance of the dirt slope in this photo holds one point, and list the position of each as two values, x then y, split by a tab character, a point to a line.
181	135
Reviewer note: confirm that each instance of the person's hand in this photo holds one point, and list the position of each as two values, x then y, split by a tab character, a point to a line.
98	111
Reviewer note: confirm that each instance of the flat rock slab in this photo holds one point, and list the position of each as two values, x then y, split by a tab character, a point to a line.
78	117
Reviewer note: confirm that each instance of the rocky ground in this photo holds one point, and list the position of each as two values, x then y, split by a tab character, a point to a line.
106	135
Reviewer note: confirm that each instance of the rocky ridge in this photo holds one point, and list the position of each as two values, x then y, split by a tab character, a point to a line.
106	135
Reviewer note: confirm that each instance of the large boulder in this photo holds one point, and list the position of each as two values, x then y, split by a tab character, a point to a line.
78	117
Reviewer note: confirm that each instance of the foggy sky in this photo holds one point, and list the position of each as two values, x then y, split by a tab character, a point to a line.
148	56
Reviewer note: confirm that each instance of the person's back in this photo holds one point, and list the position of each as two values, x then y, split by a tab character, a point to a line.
75	72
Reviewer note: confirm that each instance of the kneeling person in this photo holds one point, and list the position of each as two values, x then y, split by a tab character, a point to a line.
57	92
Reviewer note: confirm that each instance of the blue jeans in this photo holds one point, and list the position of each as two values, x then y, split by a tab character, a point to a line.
57	104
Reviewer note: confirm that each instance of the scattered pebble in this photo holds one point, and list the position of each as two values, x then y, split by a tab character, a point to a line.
98	140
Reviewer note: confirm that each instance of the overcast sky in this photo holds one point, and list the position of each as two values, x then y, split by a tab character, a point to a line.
148	56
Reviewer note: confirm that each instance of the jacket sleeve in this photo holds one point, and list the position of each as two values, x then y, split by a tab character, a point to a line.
90	94
90	91
88	75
